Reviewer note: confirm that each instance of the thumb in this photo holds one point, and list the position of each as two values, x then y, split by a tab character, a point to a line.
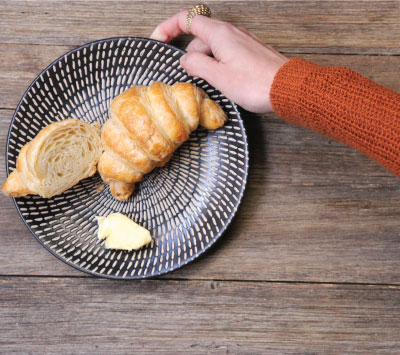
203	66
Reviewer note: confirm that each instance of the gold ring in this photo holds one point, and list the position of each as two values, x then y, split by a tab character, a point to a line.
199	9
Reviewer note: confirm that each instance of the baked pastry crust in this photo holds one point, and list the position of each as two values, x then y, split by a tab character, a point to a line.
62	154
147	124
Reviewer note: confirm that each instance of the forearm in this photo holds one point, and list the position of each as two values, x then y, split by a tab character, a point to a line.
341	104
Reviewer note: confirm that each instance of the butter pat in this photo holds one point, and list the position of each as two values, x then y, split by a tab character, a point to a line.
120	232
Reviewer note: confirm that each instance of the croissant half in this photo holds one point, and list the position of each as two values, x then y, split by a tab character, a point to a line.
147	124
62	154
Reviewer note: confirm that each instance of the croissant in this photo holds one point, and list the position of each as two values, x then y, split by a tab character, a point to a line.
147	124
62	154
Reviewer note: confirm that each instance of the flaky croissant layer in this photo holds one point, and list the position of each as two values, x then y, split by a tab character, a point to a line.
62	154
148	123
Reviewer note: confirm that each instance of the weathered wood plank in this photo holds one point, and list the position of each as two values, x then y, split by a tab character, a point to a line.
294	26
84	316
313	210
20	66
22	63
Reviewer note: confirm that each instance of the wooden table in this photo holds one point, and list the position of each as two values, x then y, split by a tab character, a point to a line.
311	263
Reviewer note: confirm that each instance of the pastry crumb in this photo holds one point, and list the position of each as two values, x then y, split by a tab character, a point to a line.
100	188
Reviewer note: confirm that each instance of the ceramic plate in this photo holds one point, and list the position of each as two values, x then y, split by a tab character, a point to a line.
186	205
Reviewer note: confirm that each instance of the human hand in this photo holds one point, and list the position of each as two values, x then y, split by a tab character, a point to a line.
241	66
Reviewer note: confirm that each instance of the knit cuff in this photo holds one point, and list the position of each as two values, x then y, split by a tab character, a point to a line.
287	92
286	87
341	104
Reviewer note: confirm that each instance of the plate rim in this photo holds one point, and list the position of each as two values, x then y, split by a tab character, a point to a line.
166	270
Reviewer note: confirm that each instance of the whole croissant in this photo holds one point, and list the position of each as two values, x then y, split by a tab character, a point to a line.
148	123
62	154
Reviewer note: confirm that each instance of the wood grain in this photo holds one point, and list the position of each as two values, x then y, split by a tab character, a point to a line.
20	66
23	63
83	316
314	210
318	225
328	26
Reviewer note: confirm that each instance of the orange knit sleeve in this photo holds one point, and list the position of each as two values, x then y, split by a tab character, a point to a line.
343	105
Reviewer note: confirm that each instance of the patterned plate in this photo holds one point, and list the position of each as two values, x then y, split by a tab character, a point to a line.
186	205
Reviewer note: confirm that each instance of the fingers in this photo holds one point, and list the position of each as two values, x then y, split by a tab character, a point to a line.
197	45
201	65
209	30
202	27
171	28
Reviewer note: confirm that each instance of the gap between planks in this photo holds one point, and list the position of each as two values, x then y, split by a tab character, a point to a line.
182	43
184	279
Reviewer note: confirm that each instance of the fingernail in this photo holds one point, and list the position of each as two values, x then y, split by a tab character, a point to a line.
159	36
183	60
